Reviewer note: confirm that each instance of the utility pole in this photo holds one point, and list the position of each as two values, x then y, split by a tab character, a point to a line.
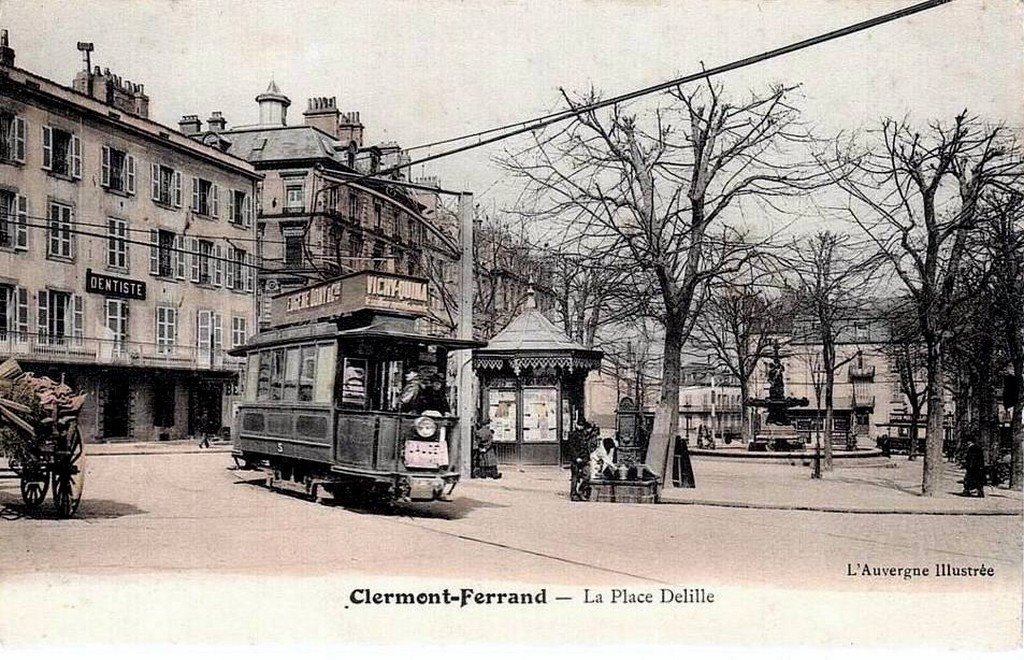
465	357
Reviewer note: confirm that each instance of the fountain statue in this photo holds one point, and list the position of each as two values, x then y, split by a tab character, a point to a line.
777	405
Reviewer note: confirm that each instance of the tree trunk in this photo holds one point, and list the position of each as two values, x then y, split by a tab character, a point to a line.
1017	432
666	418
826	445
936	413
744	411
915	414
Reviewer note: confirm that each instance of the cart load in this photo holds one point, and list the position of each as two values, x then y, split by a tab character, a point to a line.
39	436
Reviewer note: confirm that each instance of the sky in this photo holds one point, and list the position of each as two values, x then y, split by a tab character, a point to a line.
418	71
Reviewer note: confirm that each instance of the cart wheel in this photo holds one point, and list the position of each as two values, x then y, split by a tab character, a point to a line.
33	489
68	477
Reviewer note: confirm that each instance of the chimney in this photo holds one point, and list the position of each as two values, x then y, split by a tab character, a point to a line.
6	52
350	129
322	113
190	124
216	122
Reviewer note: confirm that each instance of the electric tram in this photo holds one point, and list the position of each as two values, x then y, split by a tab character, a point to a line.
343	397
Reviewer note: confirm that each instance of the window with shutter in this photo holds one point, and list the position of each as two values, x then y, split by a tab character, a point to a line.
117	243
78	319
181	258
195	195
21	230
177	189
43	316
215	199
230	268
21	313
218	333
60	240
195	259
76	157
47	148
130	174
154	252
203	335
218	266
232	215
155	182
12	137
105	167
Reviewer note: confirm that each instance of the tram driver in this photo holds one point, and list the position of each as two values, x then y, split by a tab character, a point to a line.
424	391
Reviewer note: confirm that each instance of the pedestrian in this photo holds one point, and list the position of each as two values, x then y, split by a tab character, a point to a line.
974	469
487	461
602	460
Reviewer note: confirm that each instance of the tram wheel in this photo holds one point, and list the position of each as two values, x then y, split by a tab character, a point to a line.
69	477
34	488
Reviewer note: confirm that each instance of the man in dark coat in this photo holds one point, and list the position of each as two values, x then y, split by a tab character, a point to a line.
974	469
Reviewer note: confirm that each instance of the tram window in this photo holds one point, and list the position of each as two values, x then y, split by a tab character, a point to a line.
292	364
353	382
387	386
307	373
263	384
327	354
252	376
277	375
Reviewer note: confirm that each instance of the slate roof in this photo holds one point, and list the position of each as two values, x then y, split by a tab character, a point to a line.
532	341
531	331
279	143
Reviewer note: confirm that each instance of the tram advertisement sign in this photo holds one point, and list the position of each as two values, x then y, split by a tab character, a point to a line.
366	290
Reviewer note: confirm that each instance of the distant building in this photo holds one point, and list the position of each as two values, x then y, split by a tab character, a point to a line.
125	254
867	400
709	396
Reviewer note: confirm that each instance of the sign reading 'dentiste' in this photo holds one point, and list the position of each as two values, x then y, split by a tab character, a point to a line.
367	290
116	287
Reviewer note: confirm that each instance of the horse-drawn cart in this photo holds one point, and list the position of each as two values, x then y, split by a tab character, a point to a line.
39	436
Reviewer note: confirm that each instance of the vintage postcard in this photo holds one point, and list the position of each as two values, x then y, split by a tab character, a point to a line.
511	322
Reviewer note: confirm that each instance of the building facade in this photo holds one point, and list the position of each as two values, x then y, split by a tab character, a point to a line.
709	397
125	254
867	401
312	223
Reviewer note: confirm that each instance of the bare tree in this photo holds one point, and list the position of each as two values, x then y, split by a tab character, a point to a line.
828	278
916	196
589	294
650	191
904	350
737	324
1005	241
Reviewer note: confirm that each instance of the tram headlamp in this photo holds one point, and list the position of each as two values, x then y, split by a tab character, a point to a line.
425	427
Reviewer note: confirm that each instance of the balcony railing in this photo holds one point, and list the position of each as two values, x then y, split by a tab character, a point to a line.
862	373
113	352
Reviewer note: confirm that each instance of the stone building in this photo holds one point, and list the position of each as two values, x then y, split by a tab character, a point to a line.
125	254
313	224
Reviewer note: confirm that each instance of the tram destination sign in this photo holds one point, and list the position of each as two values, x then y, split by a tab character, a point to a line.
115	287
366	290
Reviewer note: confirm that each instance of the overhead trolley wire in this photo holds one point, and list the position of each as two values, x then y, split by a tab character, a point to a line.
543	121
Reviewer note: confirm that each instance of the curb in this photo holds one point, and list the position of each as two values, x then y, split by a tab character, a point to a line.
130	449
794	507
160	452
839	509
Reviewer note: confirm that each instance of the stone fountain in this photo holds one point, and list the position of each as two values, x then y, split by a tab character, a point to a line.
778	435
